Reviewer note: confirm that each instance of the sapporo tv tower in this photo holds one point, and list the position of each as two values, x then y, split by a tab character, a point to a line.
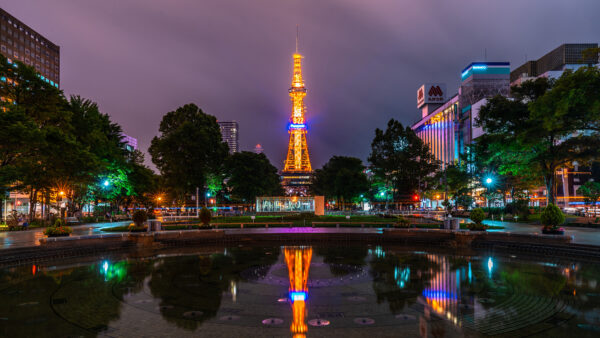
297	169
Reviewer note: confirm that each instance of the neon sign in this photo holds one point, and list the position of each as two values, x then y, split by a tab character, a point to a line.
297	126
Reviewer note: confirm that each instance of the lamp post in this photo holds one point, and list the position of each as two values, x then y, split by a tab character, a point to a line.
488	182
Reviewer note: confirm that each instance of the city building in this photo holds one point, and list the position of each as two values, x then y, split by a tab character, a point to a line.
131	143
230	135
448	125
297	168
19	42
554	63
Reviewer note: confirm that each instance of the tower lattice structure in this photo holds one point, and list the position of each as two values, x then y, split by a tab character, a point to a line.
297	159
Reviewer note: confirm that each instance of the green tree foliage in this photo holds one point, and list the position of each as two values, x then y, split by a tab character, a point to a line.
250	175
188	149
342	178
590	191
547	126
50	144
552	216
400	158
477	216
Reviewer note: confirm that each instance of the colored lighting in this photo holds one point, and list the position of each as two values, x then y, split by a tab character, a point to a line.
296	295
297	126
106	183
480	67
489	180
490	265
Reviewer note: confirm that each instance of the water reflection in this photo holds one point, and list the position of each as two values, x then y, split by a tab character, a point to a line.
388	289
298	260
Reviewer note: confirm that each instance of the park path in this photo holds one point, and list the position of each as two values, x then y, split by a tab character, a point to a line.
16	239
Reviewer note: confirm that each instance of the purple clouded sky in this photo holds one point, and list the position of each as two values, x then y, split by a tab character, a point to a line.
364	59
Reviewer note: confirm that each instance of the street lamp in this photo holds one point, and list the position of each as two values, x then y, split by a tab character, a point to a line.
488	182
106	183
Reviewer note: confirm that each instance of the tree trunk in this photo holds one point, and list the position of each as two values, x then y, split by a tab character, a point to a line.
32	203
550	193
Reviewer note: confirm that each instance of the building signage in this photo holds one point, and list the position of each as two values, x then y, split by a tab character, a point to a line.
431	93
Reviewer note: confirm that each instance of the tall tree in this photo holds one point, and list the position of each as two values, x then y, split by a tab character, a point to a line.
547	126
402	159
250	175
590	191
342	178
188	149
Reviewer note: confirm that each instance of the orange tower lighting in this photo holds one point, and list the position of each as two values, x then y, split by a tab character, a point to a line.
298	260
297	159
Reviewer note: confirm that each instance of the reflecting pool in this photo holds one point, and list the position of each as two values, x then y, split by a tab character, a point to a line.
302	291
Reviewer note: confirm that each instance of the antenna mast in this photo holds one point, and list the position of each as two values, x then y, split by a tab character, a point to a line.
297	34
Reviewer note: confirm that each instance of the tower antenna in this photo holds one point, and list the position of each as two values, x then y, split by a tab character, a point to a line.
297	34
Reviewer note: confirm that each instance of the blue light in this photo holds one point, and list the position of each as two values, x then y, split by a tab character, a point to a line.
480	67
297	295
297	126
106	183
490	265
105	266
3	79
439	294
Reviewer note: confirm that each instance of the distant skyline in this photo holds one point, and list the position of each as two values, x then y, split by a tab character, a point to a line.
364	60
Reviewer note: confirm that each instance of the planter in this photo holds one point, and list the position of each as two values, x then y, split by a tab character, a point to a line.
553	231
478	229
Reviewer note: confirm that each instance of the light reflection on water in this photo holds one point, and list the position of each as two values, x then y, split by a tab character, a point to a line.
304	291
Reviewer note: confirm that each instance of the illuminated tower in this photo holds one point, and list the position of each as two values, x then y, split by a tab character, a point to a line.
297	160
297	260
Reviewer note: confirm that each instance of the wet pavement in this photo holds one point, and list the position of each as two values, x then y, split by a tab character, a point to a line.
31	237
16	239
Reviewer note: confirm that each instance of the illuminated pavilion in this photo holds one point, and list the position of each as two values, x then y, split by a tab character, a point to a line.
297	168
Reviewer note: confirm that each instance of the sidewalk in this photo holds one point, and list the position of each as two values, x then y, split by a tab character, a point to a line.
16	239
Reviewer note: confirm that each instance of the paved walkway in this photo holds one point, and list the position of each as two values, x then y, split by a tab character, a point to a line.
15	239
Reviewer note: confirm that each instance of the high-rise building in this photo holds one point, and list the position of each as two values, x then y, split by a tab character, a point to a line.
18	42
553	64
297	168
131	143
259	149
230	135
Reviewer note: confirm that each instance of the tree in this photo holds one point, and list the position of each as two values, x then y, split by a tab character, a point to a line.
188	149
590	192
547	126
342	178
250	175
400	158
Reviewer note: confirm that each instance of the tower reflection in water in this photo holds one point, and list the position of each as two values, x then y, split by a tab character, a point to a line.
298	259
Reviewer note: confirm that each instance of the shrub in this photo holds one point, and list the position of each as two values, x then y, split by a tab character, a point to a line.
136	228
552	217
205	216
56	231
477	216
59	222
139	217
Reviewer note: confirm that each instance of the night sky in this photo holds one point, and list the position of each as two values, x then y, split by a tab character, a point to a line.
364	59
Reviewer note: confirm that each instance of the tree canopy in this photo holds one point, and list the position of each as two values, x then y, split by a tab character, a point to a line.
188	149
342	178
250	175
548	125
401	159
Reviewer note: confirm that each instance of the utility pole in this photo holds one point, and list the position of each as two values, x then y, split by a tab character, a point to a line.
197	214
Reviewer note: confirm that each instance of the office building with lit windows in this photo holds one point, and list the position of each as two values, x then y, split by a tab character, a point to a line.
19	42
448	125
230	135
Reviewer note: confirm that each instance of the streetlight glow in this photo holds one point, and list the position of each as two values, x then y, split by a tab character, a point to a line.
106	183
489	180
